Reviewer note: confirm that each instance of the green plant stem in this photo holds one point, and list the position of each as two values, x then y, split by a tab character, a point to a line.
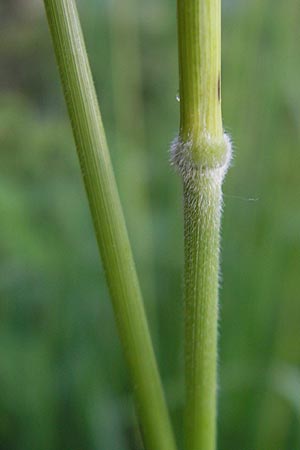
202	201
199	44
201	154
109	222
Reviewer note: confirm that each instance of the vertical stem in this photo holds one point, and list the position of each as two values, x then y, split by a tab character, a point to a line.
109	221
201	154
199	43
202	201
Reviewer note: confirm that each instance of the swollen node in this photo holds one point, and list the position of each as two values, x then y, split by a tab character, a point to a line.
206	156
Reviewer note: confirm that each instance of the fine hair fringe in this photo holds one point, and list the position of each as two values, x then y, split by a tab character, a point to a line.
208	156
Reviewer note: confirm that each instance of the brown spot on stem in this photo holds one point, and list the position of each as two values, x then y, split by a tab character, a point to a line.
219	88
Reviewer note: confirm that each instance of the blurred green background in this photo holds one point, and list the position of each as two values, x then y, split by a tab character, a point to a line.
64	384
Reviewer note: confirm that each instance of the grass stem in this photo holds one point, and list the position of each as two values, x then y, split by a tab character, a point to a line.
201	154
109	222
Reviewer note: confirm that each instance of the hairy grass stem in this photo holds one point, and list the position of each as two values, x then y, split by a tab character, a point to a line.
201	154
109	222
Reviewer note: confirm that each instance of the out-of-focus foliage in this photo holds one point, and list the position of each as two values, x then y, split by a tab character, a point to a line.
63	381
